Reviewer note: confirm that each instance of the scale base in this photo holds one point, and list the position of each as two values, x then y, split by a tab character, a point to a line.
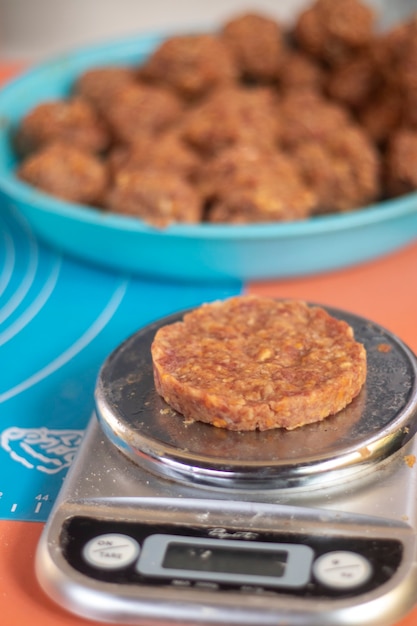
158	524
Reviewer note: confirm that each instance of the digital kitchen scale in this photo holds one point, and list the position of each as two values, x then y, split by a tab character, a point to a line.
165	521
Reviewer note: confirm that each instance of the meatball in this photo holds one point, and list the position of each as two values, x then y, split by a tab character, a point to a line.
257	44
300	71
344	172
67	172
401	163
392	103
72	121
405	79
245	184
158	197
253	123
409	107
332	30
99	85
167	152
355	81
387	50
240	166
192	65
140	110
405	58
382	115
269	201
232	115
306	116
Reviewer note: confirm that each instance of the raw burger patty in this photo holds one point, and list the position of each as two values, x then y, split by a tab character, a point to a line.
251	362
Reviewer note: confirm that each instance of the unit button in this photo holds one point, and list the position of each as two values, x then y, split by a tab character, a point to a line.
342	569
111	551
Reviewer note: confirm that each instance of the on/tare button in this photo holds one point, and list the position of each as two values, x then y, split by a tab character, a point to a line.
111	551
342	569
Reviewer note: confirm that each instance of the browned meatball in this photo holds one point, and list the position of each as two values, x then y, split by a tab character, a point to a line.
156	196
271	200
401	163
355	81
405	58
99	85
246	184
140	110
191	64
405	75
240	166
391	41
72	121
249	124
344	172
300	71
331	30
306	116
230	116
393	88
409	107
387	50
257	44
394	104
66	172
382	114
167	152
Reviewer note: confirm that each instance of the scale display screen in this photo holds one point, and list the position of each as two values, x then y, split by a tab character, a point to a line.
223	560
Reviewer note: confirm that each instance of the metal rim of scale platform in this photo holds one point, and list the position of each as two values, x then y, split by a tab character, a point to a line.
379	422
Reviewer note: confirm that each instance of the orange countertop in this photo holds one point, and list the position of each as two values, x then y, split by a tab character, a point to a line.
384	290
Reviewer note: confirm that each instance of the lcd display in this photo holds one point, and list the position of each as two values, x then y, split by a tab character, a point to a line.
225	560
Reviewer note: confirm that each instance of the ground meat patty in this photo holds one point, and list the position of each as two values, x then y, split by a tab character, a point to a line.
252	362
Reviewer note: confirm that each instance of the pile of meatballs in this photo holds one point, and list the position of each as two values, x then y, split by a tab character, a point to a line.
253	123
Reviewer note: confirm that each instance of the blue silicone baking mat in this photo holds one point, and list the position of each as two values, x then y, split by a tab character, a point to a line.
58	321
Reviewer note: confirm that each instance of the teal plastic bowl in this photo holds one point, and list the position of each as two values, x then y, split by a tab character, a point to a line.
203	252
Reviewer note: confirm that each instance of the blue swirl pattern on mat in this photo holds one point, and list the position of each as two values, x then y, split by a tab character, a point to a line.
59	319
